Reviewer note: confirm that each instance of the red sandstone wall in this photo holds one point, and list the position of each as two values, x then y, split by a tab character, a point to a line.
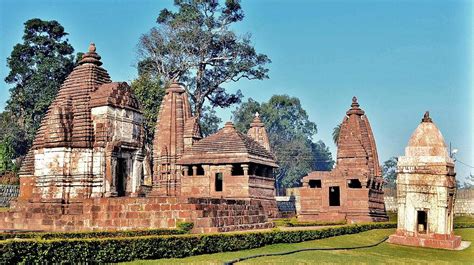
135	213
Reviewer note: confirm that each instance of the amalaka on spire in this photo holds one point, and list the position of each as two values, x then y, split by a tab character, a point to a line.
175	86
91	56
355	108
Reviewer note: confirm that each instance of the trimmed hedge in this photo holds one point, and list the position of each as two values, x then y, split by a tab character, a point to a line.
93	234
293	222
104	250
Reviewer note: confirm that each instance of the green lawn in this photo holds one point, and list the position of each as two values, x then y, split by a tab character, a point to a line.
384	253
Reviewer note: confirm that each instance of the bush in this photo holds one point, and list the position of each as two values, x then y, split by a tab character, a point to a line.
102	250
293	222
185	226
92	234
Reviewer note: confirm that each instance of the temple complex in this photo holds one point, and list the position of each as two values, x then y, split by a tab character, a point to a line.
85	170
352	191
426	189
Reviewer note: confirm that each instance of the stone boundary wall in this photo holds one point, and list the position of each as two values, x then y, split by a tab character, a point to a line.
464	204
8	193
208	215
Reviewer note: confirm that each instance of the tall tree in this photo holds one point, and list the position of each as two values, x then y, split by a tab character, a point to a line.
196	46
389	172
290	133
149	91
38	66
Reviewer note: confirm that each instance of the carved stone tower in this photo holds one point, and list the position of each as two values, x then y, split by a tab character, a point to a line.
175	130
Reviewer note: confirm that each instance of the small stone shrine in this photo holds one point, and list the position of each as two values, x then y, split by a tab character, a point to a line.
352	191
426	189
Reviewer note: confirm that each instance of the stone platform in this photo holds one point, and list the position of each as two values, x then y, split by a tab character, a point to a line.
451	242
124	213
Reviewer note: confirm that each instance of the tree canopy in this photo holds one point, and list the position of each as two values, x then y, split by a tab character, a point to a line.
389	172
196	46
38	66
290	133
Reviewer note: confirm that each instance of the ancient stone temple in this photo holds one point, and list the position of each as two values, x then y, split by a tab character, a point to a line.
225	165
231	165
176	129
426	189
352	191
85	170
90	141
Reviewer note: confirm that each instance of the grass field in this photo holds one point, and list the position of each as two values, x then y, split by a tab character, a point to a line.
383	253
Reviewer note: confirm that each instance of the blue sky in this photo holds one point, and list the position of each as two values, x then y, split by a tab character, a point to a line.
400	58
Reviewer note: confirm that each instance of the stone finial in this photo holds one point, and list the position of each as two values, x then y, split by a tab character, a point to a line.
91	56
257	122
355	108
91	47
426	117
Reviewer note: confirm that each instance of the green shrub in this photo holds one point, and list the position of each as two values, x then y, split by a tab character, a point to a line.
185	226
104	250
293	222
92	234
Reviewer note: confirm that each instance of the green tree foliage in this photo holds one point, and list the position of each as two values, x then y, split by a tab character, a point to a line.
322	157
290	132
149	91
196	46
335	133
38	66
389	172
209	121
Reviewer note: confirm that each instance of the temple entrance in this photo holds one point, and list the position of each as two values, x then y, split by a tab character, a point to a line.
334	196
422	224
121	175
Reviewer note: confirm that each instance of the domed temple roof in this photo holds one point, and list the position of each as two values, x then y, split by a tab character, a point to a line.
426	140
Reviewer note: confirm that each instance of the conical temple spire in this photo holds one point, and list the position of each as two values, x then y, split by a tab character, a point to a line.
91	56
258	133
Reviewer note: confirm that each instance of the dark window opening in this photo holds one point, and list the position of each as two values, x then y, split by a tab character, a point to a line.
422	223
315	183
237	170
334	196
373	185
121	177
259	171
354	184
200	170
219	180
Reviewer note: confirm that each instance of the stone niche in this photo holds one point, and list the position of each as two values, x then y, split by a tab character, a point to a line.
426	189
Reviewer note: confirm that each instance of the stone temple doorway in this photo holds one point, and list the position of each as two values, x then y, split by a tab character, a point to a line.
334	196
422	222
121	177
